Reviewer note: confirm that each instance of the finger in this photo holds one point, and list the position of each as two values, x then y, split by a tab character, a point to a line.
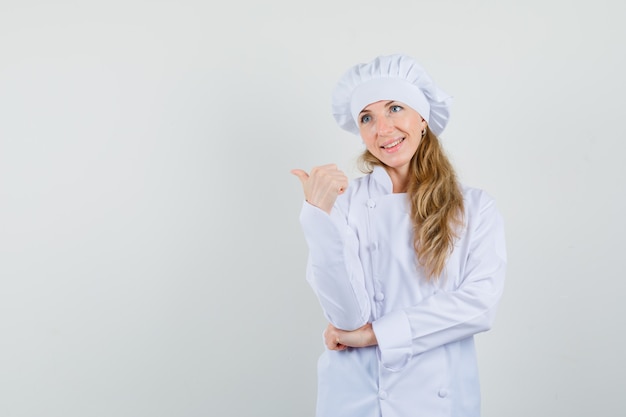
302	175
326	167
337	346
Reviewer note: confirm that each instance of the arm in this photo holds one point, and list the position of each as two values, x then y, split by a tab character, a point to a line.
334	269
447	316
337	339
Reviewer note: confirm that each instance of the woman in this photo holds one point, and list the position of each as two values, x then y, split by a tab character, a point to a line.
407	263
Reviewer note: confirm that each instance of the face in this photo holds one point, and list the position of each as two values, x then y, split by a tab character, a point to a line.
391	131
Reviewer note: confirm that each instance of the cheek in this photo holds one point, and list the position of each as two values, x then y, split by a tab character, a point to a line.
370	145
368	140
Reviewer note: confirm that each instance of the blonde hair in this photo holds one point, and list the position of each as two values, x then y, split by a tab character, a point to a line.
436	203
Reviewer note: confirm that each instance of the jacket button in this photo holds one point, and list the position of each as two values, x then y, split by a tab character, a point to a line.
382	395
371	203
379	296
442	393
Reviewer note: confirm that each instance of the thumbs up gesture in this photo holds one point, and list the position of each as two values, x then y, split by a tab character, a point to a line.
323	185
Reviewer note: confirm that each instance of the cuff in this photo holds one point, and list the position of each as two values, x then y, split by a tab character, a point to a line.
393	333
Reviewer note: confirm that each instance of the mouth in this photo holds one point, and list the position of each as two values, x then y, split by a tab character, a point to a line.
391	145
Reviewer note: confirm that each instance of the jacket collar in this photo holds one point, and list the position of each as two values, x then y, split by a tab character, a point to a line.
382	179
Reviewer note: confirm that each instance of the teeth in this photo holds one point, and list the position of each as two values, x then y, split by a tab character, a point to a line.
392	144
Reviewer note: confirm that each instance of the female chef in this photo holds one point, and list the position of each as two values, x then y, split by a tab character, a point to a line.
408	264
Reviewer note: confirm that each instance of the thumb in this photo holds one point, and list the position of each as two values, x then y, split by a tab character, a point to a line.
302	175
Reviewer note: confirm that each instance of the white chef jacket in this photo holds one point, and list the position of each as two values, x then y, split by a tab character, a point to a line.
363	268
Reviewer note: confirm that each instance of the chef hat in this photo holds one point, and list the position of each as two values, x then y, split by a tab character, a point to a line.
393	77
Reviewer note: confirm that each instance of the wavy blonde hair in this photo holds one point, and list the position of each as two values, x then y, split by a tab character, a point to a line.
436	203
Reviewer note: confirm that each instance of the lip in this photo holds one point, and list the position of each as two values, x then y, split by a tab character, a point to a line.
394	148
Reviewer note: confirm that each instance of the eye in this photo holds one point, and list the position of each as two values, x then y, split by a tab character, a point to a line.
395	108
365	118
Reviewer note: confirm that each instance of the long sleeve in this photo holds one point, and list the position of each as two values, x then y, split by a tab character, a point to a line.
362	267
452	314
334	270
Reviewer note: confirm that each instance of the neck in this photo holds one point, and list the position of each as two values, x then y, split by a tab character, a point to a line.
399	179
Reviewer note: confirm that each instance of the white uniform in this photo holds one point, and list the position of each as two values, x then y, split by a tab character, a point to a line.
362	266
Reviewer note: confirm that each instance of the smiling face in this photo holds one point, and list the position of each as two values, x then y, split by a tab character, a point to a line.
392	131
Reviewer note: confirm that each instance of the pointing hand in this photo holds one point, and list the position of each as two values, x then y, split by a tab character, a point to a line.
323	185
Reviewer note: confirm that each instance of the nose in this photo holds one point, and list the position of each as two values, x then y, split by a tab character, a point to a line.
384	125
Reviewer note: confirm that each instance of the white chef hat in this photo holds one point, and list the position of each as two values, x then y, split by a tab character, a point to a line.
393	77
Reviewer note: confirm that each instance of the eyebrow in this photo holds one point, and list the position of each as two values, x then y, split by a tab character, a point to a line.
387	104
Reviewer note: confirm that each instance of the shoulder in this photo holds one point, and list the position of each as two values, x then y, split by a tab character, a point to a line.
356	186
483	220
474	193
480	206
356	192
362	179
481	211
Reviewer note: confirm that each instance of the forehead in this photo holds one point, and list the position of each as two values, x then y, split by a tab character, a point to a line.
384	104
379	104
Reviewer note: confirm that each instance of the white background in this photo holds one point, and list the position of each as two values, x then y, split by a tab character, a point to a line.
151	259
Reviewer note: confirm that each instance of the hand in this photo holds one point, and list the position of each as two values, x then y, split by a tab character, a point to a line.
336	339
323	185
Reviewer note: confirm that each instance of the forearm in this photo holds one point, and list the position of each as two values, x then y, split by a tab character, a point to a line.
336	339
455	313
334	270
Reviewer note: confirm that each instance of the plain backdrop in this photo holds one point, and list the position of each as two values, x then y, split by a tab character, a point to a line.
151	259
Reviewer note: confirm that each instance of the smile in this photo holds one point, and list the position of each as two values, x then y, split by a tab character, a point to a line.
392	144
